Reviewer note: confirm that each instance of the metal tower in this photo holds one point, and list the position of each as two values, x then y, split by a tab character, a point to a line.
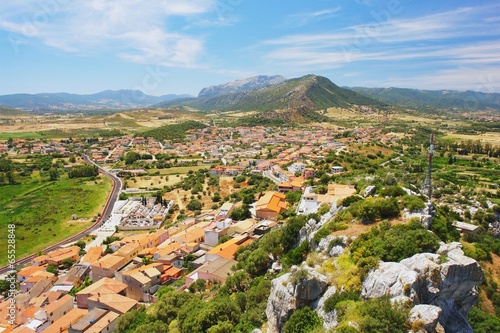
427	188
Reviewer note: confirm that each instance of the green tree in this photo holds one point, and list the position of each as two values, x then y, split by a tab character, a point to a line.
156	326
52	269
53	174
81	244
131	157
67	263
303	320
293	196
194	205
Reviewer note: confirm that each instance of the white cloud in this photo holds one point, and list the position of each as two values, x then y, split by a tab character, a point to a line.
301	19
136	30
423	37
486	79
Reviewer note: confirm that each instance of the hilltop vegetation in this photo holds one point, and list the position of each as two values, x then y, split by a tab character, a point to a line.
311	91
174	131
431	100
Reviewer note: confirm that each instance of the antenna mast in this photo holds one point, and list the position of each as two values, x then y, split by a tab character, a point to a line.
427	189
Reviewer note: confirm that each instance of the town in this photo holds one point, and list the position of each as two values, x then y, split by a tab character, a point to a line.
184	229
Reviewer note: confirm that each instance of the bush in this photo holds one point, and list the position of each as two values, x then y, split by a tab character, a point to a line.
394	243
303	320
413	203
333	300
380	316
482	322
346	202
392	191
194	205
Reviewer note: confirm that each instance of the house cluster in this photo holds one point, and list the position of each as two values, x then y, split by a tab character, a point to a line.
136	268
25	146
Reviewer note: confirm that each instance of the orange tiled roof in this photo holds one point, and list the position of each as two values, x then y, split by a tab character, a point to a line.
104	286
28	271
62	324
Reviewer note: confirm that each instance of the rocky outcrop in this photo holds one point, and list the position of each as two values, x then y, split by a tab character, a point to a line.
391	278
336	250
426	317
329	318
291	291
447	280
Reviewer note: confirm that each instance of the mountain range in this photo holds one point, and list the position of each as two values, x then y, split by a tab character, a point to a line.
434	99
109	99
262	93
311	92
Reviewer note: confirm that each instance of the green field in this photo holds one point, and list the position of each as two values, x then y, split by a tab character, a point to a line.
41	211
20	135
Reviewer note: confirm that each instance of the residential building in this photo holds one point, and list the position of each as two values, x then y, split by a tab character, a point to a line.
219	269
102	287
270	205
95	321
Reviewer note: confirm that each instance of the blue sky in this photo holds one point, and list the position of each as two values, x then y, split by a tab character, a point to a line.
181	46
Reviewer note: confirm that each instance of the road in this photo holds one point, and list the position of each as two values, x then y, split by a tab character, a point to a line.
106	213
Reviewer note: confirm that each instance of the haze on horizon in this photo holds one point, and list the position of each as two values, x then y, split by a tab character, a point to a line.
181	46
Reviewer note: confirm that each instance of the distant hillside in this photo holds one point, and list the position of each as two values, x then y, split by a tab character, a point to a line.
109	99
439	99
311	92
173	131
6	111
241	85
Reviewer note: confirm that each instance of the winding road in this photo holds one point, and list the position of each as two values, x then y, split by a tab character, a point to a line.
106	213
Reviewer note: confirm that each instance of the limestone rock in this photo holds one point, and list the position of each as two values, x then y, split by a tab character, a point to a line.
454	247
448	281
427	315
390	278
329	318
288	293
336	250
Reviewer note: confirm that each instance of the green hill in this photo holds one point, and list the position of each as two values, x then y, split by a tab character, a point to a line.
310	92
434	99
6	111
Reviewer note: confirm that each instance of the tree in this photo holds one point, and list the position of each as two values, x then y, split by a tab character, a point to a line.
324	179
81	244
194	205
303	320
216	197
67	263
52	269
53	174
131	157
293	196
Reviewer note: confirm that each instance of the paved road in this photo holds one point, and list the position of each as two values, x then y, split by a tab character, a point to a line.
117	186
106	213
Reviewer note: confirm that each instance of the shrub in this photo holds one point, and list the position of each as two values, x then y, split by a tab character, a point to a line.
303	320
333	300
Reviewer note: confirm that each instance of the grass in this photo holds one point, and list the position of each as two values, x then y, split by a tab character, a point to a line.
41	211
20	135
